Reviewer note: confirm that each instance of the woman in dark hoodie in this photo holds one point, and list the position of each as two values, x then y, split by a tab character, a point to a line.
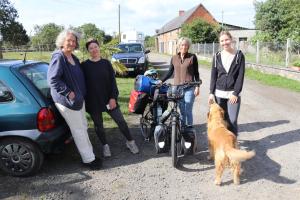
227	78
67	88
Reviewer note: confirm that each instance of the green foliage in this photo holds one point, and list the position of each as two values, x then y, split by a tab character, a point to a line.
149	41
200	31
278	20
12	31
15	35
296	63
45	36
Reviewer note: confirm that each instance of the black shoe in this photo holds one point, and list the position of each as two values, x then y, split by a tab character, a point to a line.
95	164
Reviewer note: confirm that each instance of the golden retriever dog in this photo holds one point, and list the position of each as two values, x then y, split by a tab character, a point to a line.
222	145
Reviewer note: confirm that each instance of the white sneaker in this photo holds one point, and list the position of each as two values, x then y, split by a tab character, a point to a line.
132	146
106	151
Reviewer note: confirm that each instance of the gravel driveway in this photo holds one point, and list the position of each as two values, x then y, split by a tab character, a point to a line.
269	124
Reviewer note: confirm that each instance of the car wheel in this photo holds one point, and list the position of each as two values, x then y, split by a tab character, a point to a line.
19	157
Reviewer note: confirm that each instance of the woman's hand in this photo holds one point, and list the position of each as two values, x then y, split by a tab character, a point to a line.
112	104
196	91
71	95
233	99
211	99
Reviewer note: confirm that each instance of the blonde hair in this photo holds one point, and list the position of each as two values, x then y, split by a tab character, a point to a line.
182	39
62	36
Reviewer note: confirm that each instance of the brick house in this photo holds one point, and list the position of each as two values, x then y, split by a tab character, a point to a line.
167	36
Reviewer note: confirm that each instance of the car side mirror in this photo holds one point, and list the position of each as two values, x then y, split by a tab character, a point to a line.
6	96
147	51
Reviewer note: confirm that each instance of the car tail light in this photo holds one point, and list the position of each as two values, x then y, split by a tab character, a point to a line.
45	119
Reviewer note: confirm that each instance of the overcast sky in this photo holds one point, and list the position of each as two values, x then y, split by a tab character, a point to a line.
140	15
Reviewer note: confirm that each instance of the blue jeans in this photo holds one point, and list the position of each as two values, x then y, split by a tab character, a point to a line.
186	106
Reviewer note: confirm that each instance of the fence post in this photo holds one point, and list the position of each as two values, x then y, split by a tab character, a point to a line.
257	52
204	49
287	54
213	48
198	48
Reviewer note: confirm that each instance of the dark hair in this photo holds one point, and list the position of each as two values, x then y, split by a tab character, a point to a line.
225	33
90	41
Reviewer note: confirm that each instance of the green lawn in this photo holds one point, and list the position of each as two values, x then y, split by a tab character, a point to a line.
125	85
267	79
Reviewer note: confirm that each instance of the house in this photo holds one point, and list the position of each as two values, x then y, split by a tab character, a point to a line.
167	36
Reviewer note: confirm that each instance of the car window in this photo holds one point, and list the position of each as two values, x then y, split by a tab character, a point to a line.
130	48
37	74
5	93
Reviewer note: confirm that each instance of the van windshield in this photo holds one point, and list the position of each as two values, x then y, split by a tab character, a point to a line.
37	74
130	48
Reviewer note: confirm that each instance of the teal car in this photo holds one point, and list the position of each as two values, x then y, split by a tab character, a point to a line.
30	124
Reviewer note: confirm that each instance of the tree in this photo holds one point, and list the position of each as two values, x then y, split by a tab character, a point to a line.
277	20
200	31
45	36
16	35
8	14
12	32
149	41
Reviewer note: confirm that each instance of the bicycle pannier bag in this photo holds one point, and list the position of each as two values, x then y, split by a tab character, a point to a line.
137	102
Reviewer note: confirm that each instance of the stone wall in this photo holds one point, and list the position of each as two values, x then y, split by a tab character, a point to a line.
285	72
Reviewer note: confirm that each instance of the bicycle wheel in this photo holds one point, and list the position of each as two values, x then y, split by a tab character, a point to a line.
175	142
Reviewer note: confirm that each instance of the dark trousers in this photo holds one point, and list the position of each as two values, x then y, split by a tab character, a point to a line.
117	116
231	113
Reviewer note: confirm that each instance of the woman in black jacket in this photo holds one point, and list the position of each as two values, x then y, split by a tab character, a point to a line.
227	78
102	95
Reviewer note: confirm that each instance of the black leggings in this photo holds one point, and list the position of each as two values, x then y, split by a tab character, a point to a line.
231	113
117	116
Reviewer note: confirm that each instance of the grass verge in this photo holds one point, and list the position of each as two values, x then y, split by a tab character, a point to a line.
267	79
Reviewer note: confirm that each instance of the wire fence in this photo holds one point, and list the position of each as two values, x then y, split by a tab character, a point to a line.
265	53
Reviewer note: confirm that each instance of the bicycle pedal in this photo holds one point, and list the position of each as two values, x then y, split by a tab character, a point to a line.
147	139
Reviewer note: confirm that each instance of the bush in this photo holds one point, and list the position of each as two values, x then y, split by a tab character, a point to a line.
296	64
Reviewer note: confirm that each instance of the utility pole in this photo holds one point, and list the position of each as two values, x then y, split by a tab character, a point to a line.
119	25
222	20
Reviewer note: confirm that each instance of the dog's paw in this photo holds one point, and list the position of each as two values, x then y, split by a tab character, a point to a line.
236	182
217	182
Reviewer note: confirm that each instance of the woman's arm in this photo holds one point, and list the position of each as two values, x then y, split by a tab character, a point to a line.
55	73
195	68
213	76
238	86
170	72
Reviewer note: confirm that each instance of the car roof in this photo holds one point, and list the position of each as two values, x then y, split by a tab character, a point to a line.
15	63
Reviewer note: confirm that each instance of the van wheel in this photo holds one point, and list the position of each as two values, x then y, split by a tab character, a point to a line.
19	157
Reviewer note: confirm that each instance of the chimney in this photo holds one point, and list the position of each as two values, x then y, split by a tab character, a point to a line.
181	12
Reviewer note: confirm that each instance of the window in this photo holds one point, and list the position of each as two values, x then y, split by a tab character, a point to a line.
37	74
5	94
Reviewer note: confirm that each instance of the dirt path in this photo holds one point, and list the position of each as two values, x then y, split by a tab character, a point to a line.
269	123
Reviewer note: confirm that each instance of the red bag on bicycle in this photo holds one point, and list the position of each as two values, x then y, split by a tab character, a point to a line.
137	102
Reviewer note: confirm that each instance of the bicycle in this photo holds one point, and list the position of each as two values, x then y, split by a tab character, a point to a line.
156	105
175	94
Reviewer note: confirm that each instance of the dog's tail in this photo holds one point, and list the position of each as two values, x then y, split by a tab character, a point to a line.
238	154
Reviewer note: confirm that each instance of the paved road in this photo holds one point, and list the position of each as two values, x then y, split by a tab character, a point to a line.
269	123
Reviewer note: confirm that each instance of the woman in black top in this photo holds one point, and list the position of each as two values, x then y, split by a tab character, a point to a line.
102	95
227	78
